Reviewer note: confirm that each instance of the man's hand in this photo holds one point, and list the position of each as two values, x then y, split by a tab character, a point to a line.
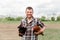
20	34
36	33
40	32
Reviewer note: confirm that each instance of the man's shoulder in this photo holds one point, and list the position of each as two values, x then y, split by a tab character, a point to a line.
23	20
36	19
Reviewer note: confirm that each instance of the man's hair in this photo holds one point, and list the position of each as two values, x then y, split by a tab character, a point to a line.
29	8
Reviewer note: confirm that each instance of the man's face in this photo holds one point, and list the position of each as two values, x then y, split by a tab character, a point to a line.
29	13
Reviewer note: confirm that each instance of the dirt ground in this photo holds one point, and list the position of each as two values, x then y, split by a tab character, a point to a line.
10	31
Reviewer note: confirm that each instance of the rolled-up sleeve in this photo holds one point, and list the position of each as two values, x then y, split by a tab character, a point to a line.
39	23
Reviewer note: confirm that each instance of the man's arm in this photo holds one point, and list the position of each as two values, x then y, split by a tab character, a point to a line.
19	28
41	25
42	29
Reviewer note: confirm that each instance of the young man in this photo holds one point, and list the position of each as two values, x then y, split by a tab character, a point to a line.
29	22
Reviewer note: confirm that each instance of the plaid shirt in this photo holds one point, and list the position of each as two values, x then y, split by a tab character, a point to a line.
29	35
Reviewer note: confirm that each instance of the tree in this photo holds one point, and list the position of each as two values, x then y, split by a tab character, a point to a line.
10	18
18	18
58	18
52	18
42	18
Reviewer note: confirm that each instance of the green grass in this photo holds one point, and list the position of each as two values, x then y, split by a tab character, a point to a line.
13	22
50	34
51	22
46	22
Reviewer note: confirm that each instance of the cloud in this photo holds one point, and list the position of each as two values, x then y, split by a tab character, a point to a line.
17	7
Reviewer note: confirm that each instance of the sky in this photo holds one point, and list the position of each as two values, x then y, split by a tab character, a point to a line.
41	7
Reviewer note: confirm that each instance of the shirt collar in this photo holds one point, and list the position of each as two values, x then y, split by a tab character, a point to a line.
30	21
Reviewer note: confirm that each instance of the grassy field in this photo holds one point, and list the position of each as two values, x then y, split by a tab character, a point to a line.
9	31
46	22
51	34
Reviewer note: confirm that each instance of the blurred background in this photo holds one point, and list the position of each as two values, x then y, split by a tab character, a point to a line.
16	8
13	11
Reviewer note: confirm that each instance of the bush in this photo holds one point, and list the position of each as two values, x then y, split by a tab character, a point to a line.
18	18
58	18
43	18
1	19
10	19
52	19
